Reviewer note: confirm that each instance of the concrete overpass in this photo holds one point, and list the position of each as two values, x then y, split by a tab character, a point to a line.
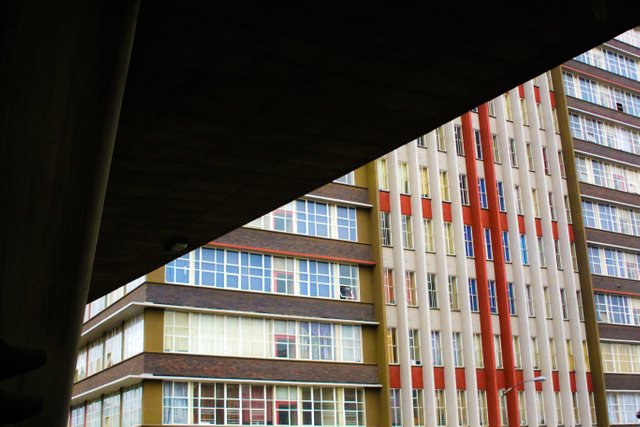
128	126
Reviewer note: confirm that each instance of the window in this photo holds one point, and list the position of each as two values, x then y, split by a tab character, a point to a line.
495	148
502	404
502	205
539	113
392	346
487	244
565	308
545	159
507	107
348	179
512	153
540	407
450	248
175	403
497	348
462	407
552	351
441	408
556	244
94	410
576	407
522	408
530	163
111	409
453	293
458	360
418	407
457	133
482	188
505	246
516	352
570	359
523	249
404	178
428	235
518	199
436	348
444	186
530	310
414	347
559	408
432	291
493	302
468	240
482	408
425	191
133	336
552	208
396	407
420	142
383	175
441	142
536	352
536	203
410	283
478	141
385	224
563	172
511	298
580	309
547	302
464	189
407	232
477	350
473	295
543	261
389	288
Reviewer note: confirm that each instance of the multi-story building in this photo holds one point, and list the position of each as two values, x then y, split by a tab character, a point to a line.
429	288
602	88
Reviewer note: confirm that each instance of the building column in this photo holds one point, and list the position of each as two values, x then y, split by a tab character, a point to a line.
62	78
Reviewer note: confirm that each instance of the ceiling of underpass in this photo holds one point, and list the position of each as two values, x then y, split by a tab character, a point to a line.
230	112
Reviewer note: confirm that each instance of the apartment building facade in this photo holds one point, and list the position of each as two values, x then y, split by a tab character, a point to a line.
602	88
428	288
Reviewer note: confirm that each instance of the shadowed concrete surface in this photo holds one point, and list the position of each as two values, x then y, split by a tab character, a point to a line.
227	113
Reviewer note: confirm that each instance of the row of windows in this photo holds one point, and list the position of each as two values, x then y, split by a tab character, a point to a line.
97	306
264	273
119	409
349	179
311	218
622	407
251	404
617	309
604	133
614	263
112	347
620	358
611	218
462	414
614	62
597	93
631	37
608	175
238	336
477	348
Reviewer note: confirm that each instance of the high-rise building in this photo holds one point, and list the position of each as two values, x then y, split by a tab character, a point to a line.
437	286
602	88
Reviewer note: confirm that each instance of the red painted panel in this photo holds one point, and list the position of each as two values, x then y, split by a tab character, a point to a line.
467	215
485	216
405	204
503	222
446	211
416	377
438	378
556	381
506	337
461	382
538	227
554	227
571	235
385	204
521	227
521	91
589	382
536	91
553	99
426	209
394	376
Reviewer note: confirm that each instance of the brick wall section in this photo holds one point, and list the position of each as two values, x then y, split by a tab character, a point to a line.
138	295
603	151
619	332
343	192
608	238
603	111
205	297
310	246
609	194
622	382
132	366
610	79
258	369
615	284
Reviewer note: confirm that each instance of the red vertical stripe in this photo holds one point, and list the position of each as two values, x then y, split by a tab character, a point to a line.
481	274
506	337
